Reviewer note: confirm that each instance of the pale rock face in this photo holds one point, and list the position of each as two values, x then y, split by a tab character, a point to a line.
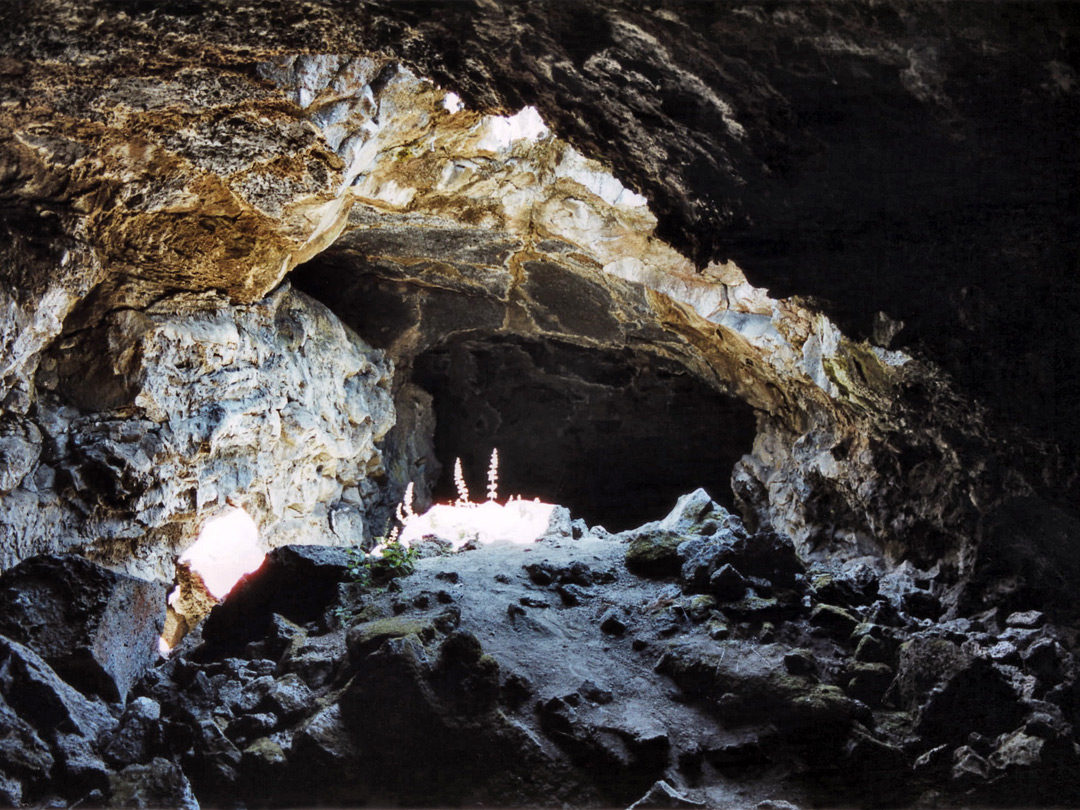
193	404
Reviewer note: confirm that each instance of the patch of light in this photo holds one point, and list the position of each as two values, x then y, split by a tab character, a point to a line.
518	522
498	133
576	167
227	548
452	103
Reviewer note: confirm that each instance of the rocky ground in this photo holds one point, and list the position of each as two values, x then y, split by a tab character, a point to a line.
684	663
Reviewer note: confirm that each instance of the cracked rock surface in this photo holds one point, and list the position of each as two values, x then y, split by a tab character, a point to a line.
575	669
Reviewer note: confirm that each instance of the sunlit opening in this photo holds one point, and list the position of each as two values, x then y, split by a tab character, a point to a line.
227	548
452	103
518	522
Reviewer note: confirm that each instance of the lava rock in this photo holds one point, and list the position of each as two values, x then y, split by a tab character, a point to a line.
25	759
158	783
833	621
727	584
96	628
137	738
655	554
977	698
612	623
297	582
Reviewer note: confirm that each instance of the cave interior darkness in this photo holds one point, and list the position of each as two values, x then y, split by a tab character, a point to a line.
615	434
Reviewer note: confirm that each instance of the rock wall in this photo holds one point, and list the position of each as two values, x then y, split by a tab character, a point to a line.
166	166
150	422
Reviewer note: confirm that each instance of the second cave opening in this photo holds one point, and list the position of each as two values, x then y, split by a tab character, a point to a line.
614	435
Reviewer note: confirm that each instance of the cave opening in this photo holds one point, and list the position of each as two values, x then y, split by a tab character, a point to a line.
614	435
615	432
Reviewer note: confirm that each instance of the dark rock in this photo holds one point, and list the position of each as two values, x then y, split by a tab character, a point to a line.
263	767
24	756
879	772
655	554
800	662
924	662
1003	652
745	686
856	586
596	694
533	602
876	646
573	595
1029	560
767	555
280	635
977	698
921	605
612	623
727	584
316	659
366	637
251	725
97	629
79	769
35	693
137	738
213	765
158	783
869	682
833	621
968	767
289	698
297	582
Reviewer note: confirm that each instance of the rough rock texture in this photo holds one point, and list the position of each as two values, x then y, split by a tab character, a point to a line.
156	419
97	628
826	252
550	673
242	143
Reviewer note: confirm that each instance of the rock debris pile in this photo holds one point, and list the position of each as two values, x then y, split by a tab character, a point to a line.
687	662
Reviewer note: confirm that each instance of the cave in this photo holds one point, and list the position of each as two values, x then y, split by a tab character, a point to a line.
603	433
768	303
615	434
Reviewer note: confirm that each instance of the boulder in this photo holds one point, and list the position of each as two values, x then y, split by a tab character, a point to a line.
977	698
96	628
297	582
25	759
158	783
138	736
767	555
654	554
34	691
663	795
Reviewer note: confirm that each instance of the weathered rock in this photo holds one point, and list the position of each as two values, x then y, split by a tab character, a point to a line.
834	621
25	759
98	629
766	555
296	582
36	694
159	783
137	738
977	698
654	554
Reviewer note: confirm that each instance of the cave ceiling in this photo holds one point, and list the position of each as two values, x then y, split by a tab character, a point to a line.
842	236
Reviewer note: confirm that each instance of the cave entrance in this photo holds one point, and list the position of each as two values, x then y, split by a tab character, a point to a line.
614	435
